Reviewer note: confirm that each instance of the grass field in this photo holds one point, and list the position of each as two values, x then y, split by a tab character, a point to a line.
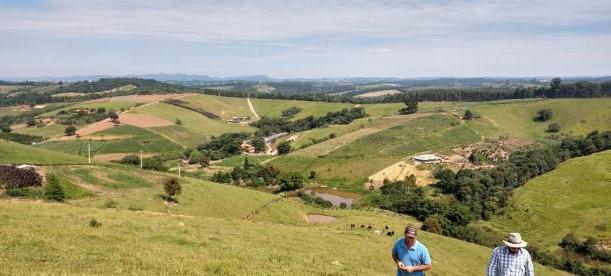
274	108
226	107
191	120
50	131
205	234
114	105
14	153
575	116
572	198
348	166
138	139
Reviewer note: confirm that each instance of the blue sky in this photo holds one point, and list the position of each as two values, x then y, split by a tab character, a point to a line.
305	38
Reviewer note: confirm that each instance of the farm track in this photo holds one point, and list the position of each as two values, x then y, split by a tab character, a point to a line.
252	109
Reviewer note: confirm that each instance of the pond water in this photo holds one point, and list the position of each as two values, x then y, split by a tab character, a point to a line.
334	196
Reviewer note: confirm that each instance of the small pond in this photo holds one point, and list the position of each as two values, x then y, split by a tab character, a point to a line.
334	196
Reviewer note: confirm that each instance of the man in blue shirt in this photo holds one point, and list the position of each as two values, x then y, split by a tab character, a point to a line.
411	256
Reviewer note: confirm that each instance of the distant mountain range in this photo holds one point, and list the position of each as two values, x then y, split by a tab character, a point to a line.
179	77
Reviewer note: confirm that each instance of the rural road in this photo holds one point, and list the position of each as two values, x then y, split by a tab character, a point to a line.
252	109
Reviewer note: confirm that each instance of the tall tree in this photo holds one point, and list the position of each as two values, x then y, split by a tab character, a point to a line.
411	104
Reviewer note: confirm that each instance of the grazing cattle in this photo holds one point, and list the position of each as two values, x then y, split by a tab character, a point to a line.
352	226
377	232
362	226
390	234
386	227
369	227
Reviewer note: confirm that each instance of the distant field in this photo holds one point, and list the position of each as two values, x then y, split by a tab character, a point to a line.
191	120
349	165
14	153
378	93
572	198
274	108
575	116
225	107
10	110
50	131
139	139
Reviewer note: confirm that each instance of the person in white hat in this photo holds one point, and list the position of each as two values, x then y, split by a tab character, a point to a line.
511	259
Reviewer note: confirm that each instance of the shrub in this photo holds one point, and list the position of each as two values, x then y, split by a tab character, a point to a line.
70	130
284	147
332	135
153	163
94	223
312	174
468	115
111	204
543	115
13	177
172	187
342	205
289	182
553	127
53	190
130	159
21	138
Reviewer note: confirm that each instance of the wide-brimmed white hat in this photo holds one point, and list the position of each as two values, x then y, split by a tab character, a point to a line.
515	240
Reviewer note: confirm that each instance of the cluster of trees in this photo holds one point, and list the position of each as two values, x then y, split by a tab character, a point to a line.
587	247
223	146
470	115
28	117
88	116
543	115
290	113
12	177
268	126
556	89
21	138
256	175
106	84
188	106
480	193
154	163
411	104
316	200
486	191
568	262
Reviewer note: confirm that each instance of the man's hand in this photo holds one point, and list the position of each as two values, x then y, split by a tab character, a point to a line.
401	265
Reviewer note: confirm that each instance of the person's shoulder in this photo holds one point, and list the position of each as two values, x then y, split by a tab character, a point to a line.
525	252
498	249
421	245
399	241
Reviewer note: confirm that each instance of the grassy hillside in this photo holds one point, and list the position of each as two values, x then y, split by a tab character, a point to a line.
131	140
226	107
349	165
191	120
14	153
150	242
572	198
274	108
575	116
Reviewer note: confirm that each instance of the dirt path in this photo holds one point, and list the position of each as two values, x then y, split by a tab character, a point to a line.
252	109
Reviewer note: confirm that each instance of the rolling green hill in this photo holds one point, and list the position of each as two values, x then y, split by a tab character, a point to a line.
575	116
14	153
572	198
204	233
274	108
131	140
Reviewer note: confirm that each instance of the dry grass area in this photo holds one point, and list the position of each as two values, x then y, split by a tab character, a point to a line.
378	93
398	171
117	156
139	98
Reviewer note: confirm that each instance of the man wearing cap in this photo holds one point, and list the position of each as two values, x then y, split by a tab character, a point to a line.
411	256
511	259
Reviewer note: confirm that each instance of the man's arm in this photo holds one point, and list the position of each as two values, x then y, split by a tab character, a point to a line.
425	259
395	257
492	264
530	270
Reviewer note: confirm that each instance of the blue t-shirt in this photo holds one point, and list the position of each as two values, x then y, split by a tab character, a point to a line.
416	255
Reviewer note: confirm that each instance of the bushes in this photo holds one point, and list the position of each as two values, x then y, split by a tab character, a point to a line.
21	138
54	191
543	115
289	182
315	200
284	147
553	127
172	187
13	177
289	113
70	130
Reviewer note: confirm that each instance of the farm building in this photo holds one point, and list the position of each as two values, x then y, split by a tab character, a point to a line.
427	158
248	148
